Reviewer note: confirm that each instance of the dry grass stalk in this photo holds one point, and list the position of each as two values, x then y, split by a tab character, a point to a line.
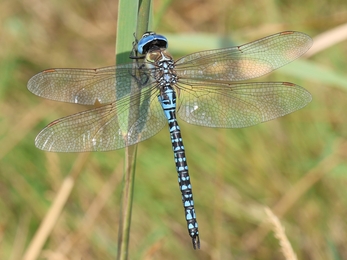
279	231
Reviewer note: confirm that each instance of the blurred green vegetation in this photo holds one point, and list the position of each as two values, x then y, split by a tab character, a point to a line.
295	165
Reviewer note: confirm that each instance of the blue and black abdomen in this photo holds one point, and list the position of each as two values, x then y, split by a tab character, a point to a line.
167	99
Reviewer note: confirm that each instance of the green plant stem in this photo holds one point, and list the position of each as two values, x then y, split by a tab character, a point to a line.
126	202
126	18
144	22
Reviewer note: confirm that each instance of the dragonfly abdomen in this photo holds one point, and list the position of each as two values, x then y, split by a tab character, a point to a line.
184	181
167	99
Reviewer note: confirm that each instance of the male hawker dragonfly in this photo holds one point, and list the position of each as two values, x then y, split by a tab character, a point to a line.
139	98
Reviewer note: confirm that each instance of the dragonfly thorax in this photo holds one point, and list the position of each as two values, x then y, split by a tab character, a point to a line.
163	67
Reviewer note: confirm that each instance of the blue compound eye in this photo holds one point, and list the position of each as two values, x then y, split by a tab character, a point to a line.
150	39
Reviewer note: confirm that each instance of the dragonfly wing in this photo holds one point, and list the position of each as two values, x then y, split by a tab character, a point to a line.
243	62
239	105
110	127
87	86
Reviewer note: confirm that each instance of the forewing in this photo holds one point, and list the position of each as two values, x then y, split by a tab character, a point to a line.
114	126
239	105
87	86
243	62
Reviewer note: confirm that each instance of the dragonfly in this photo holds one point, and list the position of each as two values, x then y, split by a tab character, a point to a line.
134	101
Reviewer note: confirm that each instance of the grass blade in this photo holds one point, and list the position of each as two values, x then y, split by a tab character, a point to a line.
140	22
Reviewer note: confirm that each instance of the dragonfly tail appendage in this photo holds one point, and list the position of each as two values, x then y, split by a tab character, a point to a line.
196	242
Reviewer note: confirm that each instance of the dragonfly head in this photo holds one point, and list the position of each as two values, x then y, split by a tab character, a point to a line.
150	40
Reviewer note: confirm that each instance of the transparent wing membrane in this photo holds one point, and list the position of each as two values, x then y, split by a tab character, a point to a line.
86	86
243	62
239	105
110	127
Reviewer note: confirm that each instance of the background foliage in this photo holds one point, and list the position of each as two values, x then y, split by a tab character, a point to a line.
295	165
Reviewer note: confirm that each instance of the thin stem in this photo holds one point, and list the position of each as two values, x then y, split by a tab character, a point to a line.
126	18
46	226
